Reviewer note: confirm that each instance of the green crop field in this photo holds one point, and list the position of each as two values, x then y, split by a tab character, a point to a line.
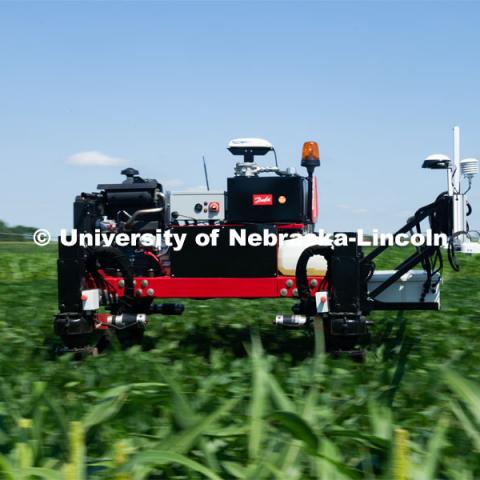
220	393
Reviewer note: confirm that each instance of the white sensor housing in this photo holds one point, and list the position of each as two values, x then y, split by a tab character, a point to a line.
469	167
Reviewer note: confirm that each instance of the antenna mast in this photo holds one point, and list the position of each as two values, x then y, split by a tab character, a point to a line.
206	172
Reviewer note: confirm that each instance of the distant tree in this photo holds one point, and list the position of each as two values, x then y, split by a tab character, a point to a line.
16	233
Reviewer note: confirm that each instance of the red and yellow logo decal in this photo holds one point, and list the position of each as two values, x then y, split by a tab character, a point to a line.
261	199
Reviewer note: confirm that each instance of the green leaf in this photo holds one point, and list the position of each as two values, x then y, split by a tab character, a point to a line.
258	399
380	418
186	417
279	397
235	469
150	459
365	438
468	392
432	457
103	411
46	473
331	465
183	441
470	428
297	427
6	469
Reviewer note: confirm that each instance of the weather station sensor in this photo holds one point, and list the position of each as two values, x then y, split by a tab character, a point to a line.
461	237
469	167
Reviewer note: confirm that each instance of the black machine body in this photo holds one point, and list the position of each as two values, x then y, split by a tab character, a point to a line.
108	287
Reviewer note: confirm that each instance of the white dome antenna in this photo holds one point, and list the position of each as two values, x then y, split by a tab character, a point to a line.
436	161
249	147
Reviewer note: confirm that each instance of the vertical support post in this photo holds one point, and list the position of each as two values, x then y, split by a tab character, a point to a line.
459	210
70	271
318	330
456	160
450	179
310	197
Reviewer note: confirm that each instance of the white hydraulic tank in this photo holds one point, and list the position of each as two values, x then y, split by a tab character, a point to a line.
289	252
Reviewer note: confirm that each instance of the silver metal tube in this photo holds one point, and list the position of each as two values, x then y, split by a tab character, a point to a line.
141	213
456	160
459	210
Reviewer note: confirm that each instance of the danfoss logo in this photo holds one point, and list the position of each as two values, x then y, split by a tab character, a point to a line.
262	199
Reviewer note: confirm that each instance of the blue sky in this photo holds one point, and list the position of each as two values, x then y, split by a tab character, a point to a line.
379	85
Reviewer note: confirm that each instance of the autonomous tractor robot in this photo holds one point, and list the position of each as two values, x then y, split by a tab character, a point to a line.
229	249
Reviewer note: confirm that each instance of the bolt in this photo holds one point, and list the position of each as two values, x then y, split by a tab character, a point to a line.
289	283
138	292
144	283
295	292
314	283
150	292
283	292
121	283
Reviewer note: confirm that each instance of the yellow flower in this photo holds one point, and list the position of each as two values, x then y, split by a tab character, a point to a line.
25	423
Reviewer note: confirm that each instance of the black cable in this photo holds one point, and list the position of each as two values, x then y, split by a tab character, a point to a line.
451	257
275	154
451	250
440	222
307	302
469	209
371	271
118	258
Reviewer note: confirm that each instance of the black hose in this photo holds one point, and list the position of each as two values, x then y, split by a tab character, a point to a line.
451	250
301	269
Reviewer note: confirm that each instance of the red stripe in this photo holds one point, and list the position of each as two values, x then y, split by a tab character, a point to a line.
171	287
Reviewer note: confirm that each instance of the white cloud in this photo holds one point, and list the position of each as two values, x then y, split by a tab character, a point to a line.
356	211
173	183
360	211
94	159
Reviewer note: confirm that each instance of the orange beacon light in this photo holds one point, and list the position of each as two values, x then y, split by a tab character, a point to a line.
311	160
310	155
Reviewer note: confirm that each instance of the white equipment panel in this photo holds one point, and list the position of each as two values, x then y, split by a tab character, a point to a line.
198	206
408	288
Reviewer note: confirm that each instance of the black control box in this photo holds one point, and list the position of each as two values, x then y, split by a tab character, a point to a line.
267	199
226	259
